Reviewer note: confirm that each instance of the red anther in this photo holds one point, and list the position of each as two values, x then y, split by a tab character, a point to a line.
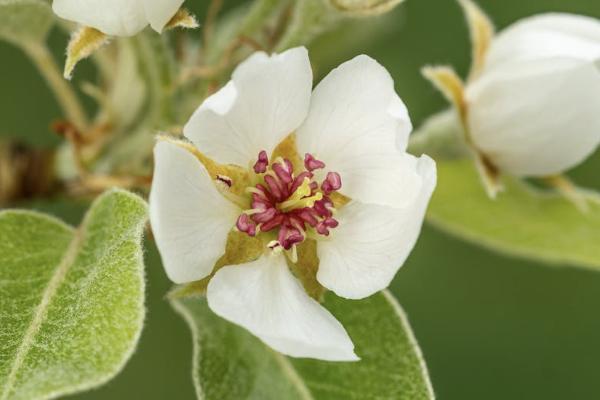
245	224
311	163
331	223
265	216
322	207
308	215
264	195
261	164
278	184
323	227
299	180
284	171
289	236
273	223
332	182
274	188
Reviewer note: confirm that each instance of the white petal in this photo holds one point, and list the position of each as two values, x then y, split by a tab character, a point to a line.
357	120
536	118
266	100
112	17
547	36
371	243
160	12
385	179
190	218
265	298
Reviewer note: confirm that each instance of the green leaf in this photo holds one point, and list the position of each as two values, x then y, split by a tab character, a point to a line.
71	300
230	363
522	221
24	21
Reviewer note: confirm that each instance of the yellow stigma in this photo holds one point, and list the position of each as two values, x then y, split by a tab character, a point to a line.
299	200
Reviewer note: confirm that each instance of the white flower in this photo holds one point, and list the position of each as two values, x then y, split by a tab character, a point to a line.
534	108
346	184
118	17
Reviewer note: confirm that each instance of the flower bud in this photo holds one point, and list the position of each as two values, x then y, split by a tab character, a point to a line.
534	107
360	8
118	17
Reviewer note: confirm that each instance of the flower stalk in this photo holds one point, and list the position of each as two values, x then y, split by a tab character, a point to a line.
63	91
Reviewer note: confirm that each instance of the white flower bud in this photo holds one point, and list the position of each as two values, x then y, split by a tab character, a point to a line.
534	107
118	17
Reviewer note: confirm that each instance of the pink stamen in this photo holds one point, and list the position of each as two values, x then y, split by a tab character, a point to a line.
265	216
284	172
275	188
322	208
289	236
280	185
261	164
332	183
323	227
273	223
308	215
245	224
299	180
311	163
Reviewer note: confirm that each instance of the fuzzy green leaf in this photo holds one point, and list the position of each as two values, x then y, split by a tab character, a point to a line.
522	221
23	21
71	300
230	363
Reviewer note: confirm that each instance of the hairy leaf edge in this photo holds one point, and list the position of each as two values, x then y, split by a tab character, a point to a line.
139	231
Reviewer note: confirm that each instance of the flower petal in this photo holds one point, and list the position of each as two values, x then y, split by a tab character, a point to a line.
160	12
112	17
372	241
547	36
265	298
357	122
267	99
536	118
190	218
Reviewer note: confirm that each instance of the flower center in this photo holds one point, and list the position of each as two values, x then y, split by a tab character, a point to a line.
295	204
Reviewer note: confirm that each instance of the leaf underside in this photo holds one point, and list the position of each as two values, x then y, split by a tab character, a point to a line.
71	301
522	221
230	363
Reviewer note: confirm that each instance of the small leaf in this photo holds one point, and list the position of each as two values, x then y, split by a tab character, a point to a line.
183	19
230	363
482	33
83	43
72	300
521	221
25	21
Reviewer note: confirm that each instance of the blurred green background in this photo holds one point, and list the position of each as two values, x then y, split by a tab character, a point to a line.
491	327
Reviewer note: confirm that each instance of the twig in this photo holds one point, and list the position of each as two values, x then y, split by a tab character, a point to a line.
211	15
210	71
63	92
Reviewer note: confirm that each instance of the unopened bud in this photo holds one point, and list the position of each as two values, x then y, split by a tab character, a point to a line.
533	108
